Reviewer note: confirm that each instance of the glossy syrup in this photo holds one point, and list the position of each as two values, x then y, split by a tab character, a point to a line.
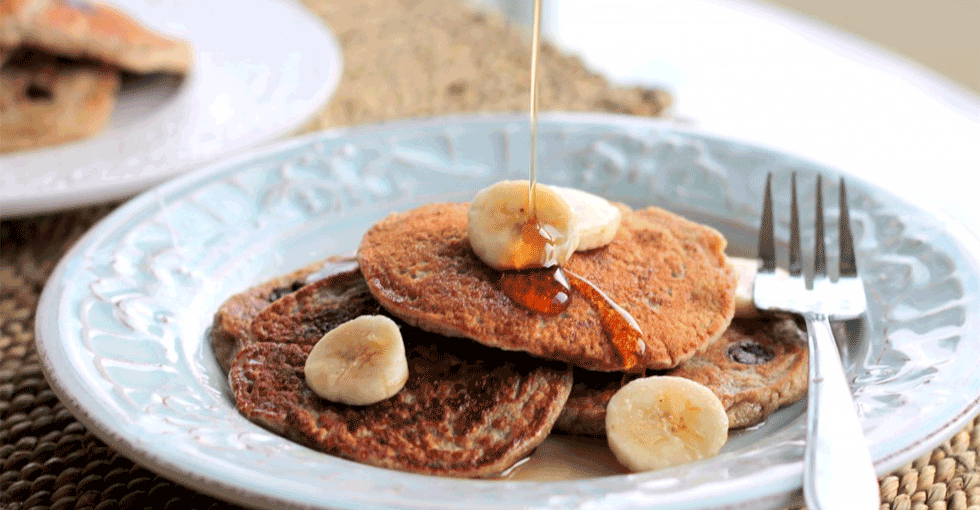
534	236
548	290
533	109
545	291
535	239
619	325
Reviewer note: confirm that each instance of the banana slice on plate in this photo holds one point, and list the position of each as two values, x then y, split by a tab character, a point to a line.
360	362
597	218
662	421
747	269
504	236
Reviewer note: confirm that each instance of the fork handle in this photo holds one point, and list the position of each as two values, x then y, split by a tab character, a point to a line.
839	473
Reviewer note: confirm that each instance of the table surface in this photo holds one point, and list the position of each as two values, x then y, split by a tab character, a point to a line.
49	460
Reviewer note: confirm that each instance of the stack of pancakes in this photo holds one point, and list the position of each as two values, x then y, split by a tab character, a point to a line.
488	379
60	67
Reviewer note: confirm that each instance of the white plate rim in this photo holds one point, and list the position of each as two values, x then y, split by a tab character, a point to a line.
55	196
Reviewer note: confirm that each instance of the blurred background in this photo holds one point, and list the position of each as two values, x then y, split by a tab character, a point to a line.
942	35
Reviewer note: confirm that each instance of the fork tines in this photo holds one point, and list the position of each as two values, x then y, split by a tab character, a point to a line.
767	248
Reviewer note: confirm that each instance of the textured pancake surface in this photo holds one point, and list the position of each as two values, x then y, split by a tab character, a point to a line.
669	273
466	410
757	366
232	326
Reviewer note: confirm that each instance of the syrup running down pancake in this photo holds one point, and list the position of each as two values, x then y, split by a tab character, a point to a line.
670	274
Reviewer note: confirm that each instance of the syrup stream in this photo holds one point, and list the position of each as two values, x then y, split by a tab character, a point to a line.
535	49
547	291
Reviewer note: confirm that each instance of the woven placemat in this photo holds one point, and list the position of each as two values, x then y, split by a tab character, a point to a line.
403	58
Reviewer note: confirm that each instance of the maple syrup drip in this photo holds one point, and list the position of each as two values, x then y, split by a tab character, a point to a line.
533	108
545	290
619	325
535	239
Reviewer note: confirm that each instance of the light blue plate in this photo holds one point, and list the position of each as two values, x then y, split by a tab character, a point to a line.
122	322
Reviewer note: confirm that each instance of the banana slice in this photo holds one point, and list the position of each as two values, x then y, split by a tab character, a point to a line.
663	421
746	269
504	236
597	219
360	362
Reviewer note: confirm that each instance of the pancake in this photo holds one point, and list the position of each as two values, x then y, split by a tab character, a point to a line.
231	329
91	30
669	273
757	366
466	410
46	100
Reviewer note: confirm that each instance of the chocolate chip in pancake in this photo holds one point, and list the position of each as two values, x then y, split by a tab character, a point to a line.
466	410
756	366
669	273
46	100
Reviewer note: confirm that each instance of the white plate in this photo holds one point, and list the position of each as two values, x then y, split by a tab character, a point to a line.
262	68
121	326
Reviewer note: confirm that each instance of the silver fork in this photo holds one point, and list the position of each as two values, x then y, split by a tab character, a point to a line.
838	471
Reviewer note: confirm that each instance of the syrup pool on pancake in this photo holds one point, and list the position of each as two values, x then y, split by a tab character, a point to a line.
527	231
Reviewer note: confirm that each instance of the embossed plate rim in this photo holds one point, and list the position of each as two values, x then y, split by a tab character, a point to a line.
209	472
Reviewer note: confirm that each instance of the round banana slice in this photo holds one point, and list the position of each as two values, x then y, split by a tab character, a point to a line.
597	219
360	362
664	421
747	269
504	236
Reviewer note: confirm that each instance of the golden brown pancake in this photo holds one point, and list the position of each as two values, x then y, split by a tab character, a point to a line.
757	366
231	328
669	273
466	410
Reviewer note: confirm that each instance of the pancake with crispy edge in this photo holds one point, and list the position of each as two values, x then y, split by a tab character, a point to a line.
466	410
757	366
231	328
669	273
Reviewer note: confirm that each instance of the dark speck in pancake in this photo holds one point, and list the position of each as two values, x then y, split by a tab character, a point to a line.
750	386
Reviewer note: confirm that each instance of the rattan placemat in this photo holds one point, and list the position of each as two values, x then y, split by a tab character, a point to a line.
403	58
